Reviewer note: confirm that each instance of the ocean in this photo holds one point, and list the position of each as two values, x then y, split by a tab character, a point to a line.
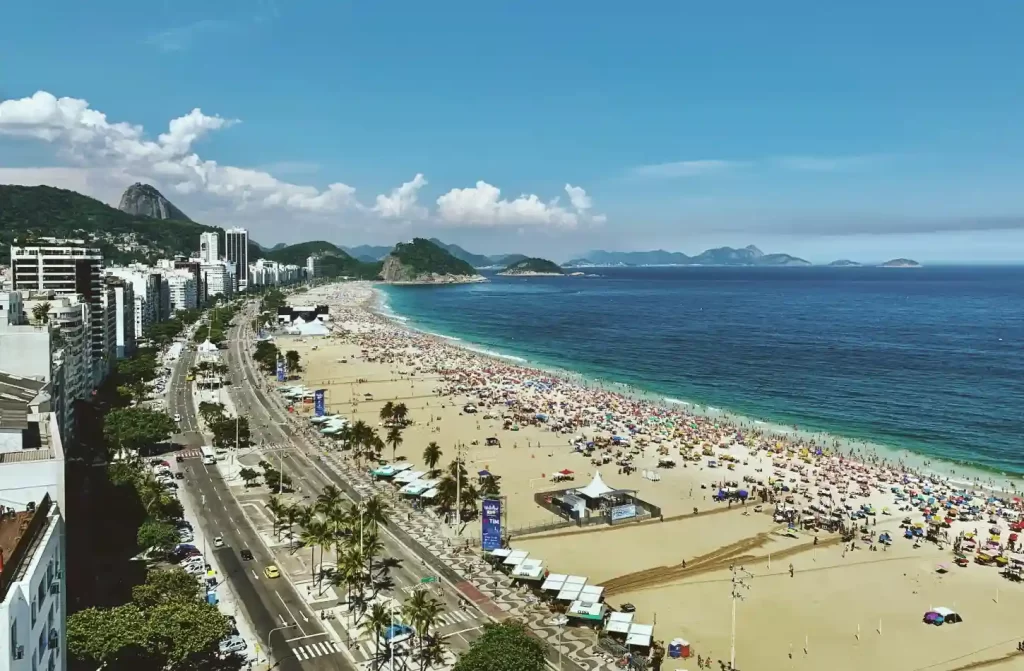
928	360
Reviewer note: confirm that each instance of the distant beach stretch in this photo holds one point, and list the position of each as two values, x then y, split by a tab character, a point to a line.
841	555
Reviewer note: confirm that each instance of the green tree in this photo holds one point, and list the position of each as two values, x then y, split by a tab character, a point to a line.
432	455
226	429
387	411
375	626
504	647
211	412
41	313
136	428
400	414
248	475
277	508
316	533
163	586
291	358
422	612
489	487
159	536
394	439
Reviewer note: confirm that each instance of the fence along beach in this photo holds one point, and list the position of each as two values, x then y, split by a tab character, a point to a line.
813	600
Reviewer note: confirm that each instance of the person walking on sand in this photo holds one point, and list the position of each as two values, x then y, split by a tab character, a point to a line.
790	570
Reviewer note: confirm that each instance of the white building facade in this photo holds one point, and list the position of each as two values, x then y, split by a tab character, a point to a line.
209	251
220	278
33	601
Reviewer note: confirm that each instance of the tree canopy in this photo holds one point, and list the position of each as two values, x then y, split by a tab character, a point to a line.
423	256
504	647
136	428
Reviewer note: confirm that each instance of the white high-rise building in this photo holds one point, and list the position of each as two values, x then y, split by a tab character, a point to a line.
67	267
124	315
219	277
209	251
314	266
33	594
149	289
236	250
183	291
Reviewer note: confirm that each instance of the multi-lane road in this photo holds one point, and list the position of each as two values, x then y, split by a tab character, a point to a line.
294	636
287	624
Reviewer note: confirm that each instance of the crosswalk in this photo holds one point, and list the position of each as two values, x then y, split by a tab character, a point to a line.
190	454
311	650
367	649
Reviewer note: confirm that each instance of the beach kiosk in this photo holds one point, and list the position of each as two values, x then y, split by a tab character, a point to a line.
529	570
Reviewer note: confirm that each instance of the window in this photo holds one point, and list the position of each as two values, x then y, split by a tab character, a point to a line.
33	612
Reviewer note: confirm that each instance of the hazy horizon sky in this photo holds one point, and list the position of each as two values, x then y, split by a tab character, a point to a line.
825	130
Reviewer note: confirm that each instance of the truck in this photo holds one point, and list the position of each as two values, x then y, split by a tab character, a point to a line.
209	456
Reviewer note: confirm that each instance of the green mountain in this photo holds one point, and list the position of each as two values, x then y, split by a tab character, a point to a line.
334	262
420	261
368	252
475	260
533	266
45	211
720	256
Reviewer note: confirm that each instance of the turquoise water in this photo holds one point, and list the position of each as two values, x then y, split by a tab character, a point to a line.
929	360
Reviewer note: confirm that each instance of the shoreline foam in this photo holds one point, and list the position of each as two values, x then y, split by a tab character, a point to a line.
983	476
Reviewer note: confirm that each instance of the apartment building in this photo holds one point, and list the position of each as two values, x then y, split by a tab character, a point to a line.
182	290
219	278
67	267
149	294
209	248
33	601
236	250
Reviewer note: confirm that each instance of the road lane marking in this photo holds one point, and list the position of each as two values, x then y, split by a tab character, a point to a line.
300	638
290	613
254	574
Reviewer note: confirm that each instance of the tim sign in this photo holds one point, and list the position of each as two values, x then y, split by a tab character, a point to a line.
318	402
490	535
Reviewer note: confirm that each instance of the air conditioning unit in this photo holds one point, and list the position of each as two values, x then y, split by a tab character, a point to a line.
55	587
19	652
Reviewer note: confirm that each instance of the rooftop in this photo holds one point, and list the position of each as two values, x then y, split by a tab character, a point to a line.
19	531
16	393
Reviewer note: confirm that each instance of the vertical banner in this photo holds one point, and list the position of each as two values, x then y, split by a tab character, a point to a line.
490	535
280	370
318	402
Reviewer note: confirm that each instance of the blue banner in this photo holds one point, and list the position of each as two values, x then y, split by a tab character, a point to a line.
318	402
623	512
280	370
490	535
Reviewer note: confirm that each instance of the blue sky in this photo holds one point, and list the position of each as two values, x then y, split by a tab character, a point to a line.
864	130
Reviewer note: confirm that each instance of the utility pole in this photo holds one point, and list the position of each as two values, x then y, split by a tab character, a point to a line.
739	584
458	484
280	479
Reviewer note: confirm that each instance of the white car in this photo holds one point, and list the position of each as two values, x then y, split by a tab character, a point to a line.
177	417
232	644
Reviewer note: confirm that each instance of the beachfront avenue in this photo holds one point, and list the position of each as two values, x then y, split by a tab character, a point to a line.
316	607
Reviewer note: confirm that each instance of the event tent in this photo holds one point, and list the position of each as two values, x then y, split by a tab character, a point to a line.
619	622
596	489
529	569
640	634
516	557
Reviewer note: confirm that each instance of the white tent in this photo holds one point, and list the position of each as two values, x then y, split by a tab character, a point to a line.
596	488
313	328
207	346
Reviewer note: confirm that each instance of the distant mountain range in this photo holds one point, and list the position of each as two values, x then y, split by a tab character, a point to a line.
720	256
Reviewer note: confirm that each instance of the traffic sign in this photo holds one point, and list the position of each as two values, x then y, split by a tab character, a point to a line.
428	579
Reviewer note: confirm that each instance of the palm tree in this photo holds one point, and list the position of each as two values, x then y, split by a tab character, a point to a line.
387	413
375	626
316	533
41	313
422	612
432	455
376	511
489	487
293	514
431	652
329	500
446	493
372	547
394	439
360	432
400	413
277	509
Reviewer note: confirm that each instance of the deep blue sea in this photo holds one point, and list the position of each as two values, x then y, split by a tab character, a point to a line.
928	359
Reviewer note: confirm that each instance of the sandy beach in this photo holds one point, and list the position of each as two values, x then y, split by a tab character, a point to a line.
810	601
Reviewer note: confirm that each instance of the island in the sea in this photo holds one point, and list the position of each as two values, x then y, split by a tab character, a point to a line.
844	263
533	267
423	262
900	263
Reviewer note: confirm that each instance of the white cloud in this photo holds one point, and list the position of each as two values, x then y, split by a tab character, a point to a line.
482	205
579	198
108	153
684	168
402	202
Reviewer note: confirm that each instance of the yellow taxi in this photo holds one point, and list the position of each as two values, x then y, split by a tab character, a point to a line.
271	572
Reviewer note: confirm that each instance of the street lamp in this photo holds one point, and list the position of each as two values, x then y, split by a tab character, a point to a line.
270	643
560	621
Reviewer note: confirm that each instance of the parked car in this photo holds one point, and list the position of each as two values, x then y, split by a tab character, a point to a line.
179	458
179	475
232	644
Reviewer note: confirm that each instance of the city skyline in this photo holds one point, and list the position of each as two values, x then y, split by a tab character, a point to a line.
846	134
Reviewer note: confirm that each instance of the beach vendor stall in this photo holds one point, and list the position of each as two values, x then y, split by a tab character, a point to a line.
939	616
588	612
529	570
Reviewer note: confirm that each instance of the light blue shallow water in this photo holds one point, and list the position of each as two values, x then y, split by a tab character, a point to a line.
928	359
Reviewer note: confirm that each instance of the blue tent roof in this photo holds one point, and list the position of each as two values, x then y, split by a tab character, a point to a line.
396	630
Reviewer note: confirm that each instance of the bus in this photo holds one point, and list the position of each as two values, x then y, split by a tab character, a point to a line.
209	456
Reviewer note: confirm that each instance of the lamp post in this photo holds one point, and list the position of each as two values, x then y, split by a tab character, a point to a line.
560	621
270	644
